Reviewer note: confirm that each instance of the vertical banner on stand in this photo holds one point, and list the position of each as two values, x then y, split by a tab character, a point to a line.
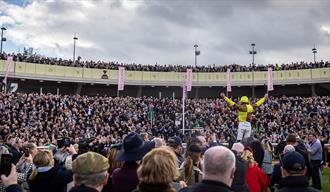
189	79
184	94
121	78
184	91
270	86
228	80
8	64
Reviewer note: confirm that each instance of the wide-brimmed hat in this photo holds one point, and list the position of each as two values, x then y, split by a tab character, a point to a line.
134	148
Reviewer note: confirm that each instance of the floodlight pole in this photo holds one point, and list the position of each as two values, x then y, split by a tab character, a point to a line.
314	51
2	38
253	52
74	49
195	54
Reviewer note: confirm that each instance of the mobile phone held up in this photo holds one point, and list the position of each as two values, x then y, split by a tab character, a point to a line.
6	160
63	143
26	152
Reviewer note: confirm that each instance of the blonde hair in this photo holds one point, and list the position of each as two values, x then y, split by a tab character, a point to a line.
30	146
248	156
159	166
267	146
42	159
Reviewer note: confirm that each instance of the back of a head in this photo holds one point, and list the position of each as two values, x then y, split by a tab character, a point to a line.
195	140
112	159
247	141
158	166
194	148
238	147
202	140
288	148
159	142
174	142
219	162
291	139
43	159
248	156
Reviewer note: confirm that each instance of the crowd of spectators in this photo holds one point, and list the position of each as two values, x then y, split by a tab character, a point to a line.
38	59
105	120
139	164
51	139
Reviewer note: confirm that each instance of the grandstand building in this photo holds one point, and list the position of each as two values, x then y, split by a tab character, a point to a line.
31	77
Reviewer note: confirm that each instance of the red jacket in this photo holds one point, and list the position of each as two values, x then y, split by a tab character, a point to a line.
256	179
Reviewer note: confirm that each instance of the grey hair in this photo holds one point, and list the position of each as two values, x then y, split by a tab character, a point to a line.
218	161
159	142
93	180
288	148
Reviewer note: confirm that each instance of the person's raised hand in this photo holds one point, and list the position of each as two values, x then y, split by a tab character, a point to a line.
183	184
11	179
222	95
214	137
266	96
71	150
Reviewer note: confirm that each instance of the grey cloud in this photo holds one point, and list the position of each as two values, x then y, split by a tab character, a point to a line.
165	31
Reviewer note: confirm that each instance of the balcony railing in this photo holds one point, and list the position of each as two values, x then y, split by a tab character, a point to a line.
86	75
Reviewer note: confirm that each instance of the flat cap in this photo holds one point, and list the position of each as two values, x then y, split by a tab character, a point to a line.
90	163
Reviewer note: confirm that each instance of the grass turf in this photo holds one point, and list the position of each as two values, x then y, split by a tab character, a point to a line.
326	179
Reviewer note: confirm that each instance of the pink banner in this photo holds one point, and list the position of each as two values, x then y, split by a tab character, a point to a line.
8	64
270	86
121	78
228	80
189	79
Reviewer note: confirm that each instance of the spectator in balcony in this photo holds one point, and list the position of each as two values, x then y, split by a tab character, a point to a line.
34	58
104	76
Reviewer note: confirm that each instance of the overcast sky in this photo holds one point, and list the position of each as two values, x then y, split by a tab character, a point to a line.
164	31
